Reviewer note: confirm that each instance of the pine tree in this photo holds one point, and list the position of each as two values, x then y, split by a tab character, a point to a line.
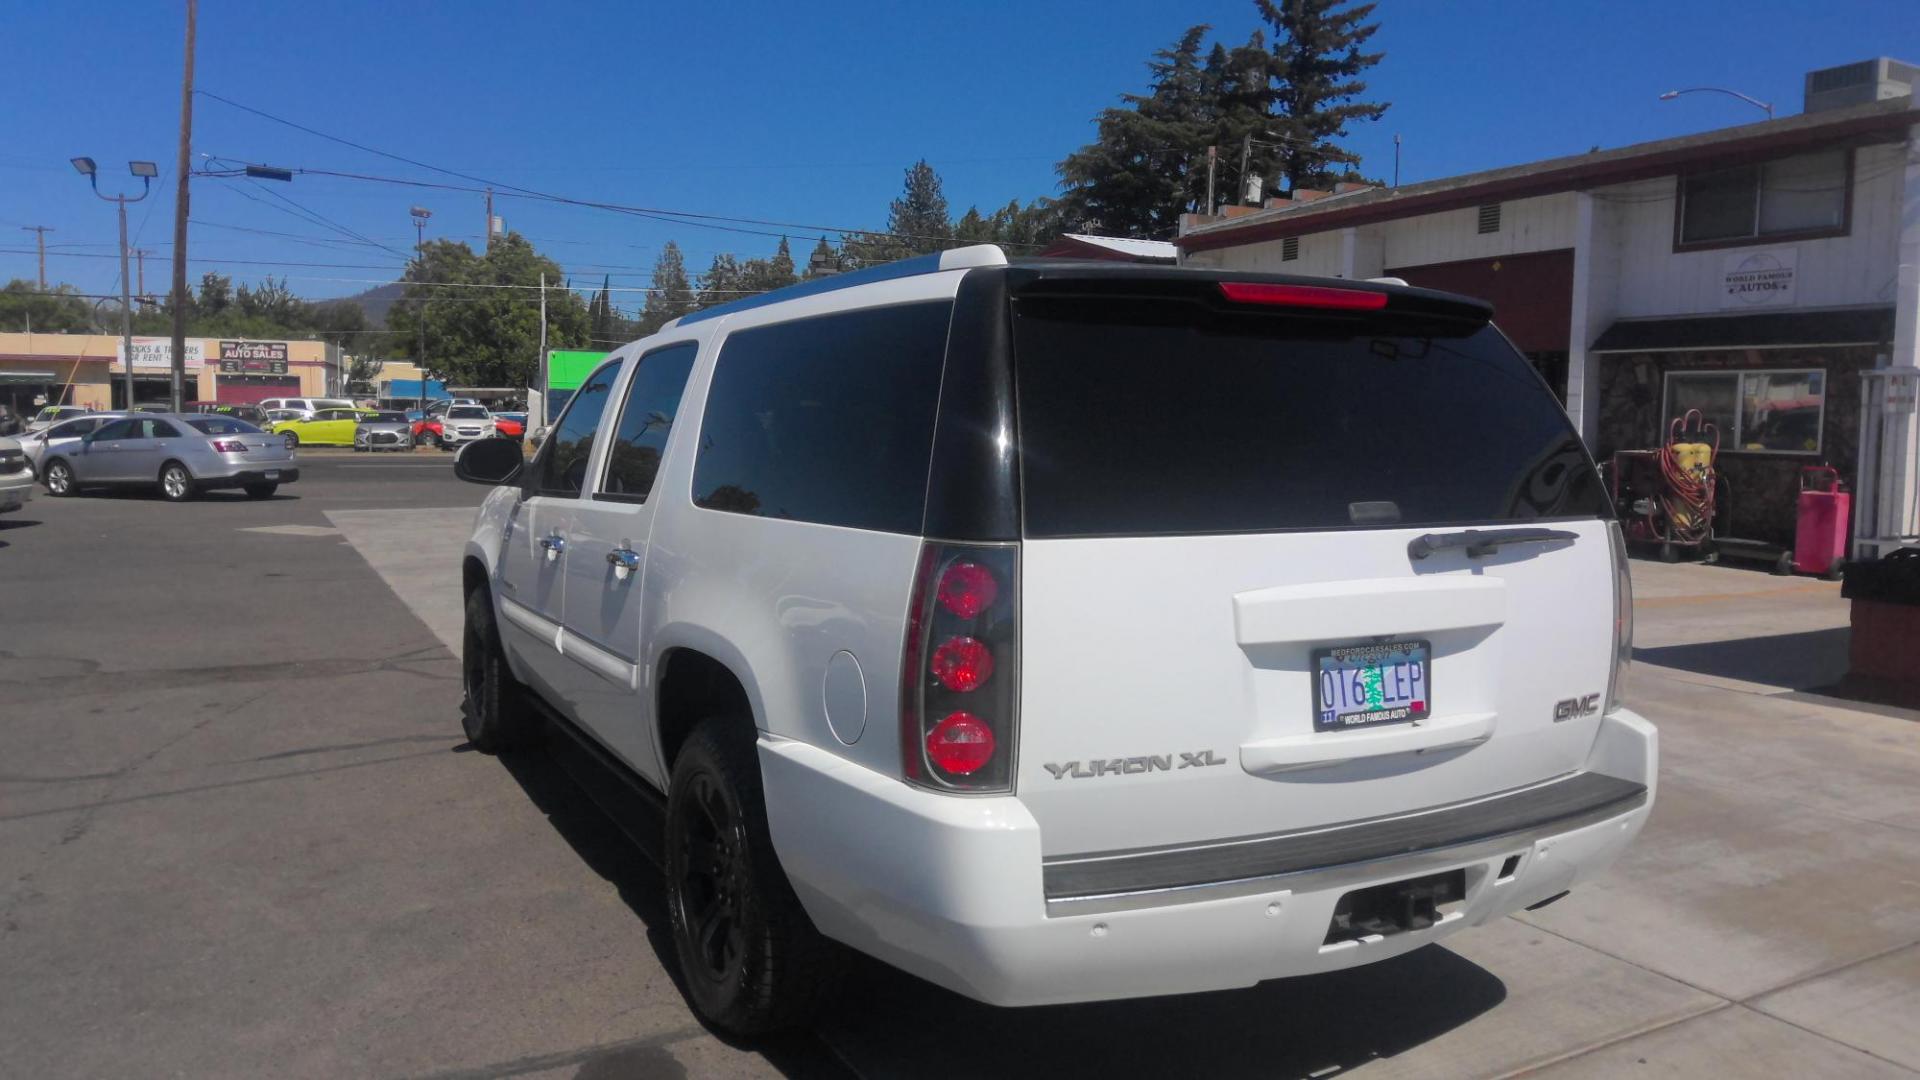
917	223
672	294
1315	60
722	282
1135	178
601	321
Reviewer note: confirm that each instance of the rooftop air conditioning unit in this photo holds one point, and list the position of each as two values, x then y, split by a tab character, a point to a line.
1858	84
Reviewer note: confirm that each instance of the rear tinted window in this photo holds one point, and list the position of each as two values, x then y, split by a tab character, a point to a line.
827	420
1152	417
221	425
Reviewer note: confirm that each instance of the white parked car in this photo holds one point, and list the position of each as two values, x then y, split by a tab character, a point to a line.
303	407
1279	629
16	476
53	414
465	423
63	433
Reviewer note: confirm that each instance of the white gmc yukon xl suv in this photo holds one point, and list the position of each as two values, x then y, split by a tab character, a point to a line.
1062	631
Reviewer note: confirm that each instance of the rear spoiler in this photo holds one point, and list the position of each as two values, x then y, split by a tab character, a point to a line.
1228	291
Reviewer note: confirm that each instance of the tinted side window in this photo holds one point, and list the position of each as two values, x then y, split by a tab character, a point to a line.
563	463
827	419
119	429
653	397
159	429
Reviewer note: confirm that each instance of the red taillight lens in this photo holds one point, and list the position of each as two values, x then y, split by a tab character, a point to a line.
1306	296
229	446
967	589
962	664
959	669
961	744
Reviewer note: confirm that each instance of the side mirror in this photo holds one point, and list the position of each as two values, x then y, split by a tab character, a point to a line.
489	461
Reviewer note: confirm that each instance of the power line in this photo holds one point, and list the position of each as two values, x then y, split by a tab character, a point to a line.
656	213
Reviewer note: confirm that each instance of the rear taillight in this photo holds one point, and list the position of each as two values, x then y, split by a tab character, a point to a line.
1622	616
958	686
230	446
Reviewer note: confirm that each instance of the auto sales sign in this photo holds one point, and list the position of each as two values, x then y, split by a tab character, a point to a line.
254	357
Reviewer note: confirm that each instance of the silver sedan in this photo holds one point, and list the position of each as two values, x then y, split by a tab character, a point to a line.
180	455
383	431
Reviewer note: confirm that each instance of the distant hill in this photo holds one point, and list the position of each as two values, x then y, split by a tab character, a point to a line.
375	301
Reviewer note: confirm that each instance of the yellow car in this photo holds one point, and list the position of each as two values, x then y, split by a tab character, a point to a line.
326	427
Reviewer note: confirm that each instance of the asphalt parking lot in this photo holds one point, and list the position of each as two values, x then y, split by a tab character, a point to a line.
240	835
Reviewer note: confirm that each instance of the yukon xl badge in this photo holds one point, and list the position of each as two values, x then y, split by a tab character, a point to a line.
1129	765
1576	706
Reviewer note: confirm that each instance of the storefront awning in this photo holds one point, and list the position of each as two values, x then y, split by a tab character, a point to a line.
28	377
1771	330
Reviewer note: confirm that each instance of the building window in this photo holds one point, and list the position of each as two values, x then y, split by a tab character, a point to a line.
1290	249
1763	412
1490	218
1801	196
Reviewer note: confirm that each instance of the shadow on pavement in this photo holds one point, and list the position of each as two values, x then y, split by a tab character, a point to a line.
893	1024
1796	661
609	852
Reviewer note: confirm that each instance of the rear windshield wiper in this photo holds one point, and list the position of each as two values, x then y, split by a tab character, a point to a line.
1480	542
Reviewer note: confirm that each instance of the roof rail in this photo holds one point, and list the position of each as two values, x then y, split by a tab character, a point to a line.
957	259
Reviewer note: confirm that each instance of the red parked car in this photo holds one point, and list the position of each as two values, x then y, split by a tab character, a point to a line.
427	432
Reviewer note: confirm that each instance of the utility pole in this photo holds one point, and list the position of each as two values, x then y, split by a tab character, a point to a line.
1213	158
1396	159
420	216
486	234
140	255
182	172
40	238
540	365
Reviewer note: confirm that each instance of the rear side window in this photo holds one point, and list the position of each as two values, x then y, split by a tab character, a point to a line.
653	398
1162	417
828	420
220	425
563	461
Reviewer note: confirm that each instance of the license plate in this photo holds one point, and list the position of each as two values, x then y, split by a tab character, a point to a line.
273	474
1359	685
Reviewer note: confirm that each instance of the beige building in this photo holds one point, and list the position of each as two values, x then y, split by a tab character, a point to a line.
89	370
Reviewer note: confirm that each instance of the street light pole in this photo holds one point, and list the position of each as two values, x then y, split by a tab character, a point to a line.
1753	101
146	171
420	216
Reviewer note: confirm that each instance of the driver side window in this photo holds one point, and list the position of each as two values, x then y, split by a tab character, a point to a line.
563	461
119	429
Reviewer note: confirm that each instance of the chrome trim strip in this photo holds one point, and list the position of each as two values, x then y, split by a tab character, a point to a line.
607	665
531	621
1330	856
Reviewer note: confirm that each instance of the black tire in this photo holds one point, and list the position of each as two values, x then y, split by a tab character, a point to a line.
290	439
176	483
750	960
495	714
261	491
57	475
1783	566
429	440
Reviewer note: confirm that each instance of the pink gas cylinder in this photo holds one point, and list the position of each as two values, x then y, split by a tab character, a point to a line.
1820	539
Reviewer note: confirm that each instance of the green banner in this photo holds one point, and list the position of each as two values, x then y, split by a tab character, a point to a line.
568	368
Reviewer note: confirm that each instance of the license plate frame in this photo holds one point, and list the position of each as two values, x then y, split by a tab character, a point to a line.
1347	715
273	474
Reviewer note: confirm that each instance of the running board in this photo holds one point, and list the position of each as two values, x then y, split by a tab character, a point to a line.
634	805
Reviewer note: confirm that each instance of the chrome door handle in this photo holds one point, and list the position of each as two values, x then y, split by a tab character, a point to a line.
624	562
555	545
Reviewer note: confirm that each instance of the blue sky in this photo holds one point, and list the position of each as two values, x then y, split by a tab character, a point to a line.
791	112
